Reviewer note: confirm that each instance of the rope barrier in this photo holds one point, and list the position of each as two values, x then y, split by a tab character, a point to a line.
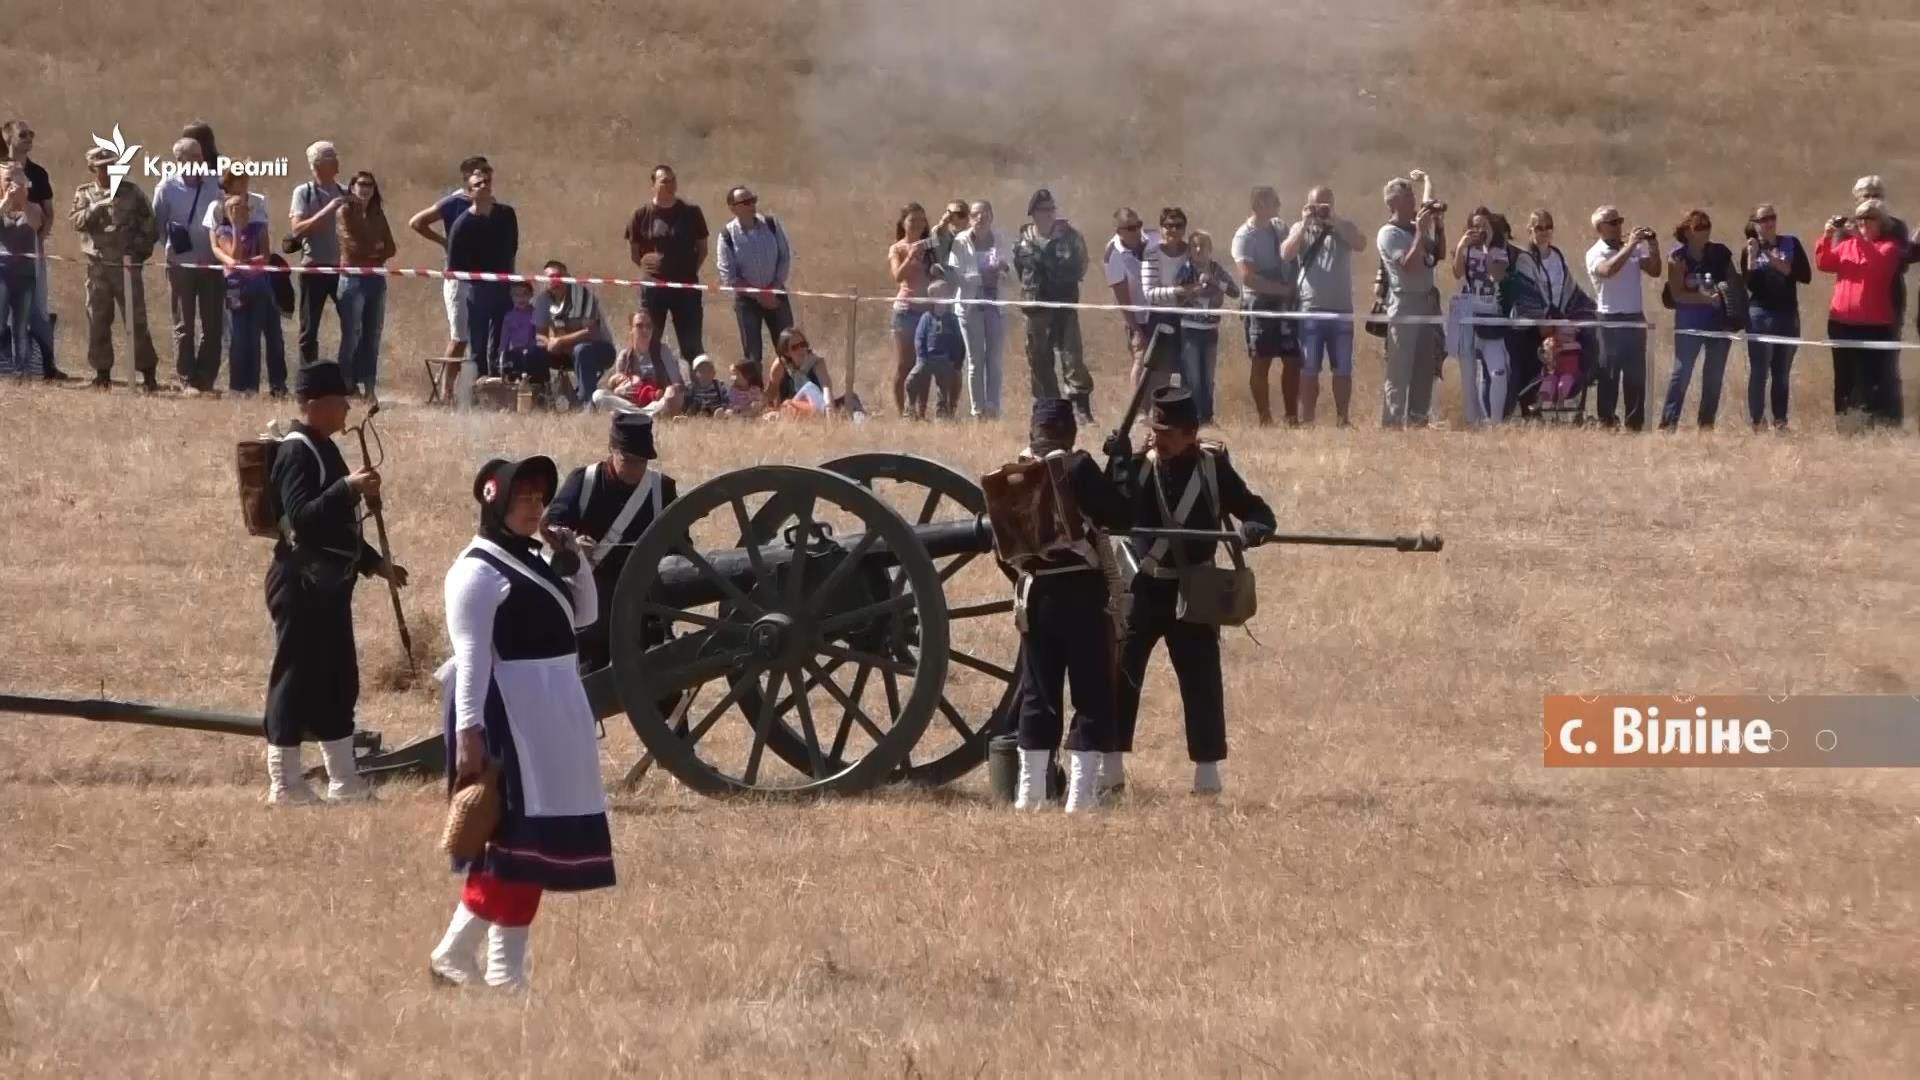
1220	312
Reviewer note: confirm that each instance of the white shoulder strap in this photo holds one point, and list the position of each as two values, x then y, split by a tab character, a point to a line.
648	490
506	559
1202	477
319	463
586	488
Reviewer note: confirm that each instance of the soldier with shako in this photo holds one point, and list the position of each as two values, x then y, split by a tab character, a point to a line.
1180	482
1061	607
315	683
609	504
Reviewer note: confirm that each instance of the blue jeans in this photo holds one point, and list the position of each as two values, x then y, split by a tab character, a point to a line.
1687	349
487	307
591	359
362	304
1199	356
1328	341
16	316
256	319
1766	360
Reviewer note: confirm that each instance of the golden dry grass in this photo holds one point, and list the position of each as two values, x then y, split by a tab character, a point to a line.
1394	885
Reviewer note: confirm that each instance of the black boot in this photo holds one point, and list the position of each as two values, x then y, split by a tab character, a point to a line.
1083	407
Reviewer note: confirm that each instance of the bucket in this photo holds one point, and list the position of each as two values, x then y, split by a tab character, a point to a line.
1003	771
1003	767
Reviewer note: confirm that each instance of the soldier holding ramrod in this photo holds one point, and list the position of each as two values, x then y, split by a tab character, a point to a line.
1180	482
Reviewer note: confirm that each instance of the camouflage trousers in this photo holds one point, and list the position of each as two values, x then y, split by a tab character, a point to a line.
1054	353
110	288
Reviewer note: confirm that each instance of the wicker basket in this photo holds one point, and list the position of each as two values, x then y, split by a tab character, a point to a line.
473	813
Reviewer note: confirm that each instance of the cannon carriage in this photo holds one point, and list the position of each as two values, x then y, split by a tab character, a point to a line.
784	631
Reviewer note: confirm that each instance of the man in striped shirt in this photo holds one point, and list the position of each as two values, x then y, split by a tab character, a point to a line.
754	255
573	331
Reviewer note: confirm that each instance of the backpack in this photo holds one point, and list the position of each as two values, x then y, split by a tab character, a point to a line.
1032	512
253	467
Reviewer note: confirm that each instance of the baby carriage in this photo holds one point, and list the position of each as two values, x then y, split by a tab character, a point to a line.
1562	386
1566	360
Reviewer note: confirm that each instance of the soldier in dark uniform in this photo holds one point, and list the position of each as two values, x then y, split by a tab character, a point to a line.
608	505
315	682
1066	636
1179	470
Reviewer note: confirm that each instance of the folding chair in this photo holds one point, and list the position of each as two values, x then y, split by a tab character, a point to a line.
436	371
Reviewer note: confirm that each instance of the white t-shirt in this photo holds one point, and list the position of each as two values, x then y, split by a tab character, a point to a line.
1619	294
216	215
1124	265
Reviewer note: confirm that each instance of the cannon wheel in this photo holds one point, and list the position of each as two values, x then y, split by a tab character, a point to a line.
957	742
777	635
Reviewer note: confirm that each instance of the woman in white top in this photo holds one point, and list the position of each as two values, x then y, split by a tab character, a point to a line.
1161	266
514	701
977	264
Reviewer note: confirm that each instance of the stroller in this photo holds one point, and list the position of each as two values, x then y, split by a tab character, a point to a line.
1553	366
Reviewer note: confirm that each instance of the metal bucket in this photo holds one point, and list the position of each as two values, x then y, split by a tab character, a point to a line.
1003	771
1003	767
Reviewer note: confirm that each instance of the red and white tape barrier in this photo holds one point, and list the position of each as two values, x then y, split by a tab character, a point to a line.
1400	320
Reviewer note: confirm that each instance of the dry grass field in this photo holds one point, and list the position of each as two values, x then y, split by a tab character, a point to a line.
1393	885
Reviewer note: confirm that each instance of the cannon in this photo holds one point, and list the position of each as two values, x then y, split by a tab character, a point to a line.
838	624
843	615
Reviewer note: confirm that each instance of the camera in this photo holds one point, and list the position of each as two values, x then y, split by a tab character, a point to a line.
1322	211
1434	206
1838	222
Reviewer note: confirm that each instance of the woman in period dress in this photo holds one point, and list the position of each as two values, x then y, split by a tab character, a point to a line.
514	698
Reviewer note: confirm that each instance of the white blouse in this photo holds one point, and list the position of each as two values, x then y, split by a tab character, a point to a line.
475	589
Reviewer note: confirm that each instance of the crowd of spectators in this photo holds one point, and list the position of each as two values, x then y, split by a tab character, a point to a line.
955	281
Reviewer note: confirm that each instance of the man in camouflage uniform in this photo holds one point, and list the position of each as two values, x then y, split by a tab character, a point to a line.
117	235
1051	258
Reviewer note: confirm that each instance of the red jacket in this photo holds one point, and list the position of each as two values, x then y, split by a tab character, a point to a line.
1863	288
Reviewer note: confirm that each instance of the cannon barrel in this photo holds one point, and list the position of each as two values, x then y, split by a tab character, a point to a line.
680	582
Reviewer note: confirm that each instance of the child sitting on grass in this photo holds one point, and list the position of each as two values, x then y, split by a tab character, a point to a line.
705	395
939	351
746	397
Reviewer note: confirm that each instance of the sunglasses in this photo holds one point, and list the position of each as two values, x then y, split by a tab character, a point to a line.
1762	220
797	346
1613	221
750	200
